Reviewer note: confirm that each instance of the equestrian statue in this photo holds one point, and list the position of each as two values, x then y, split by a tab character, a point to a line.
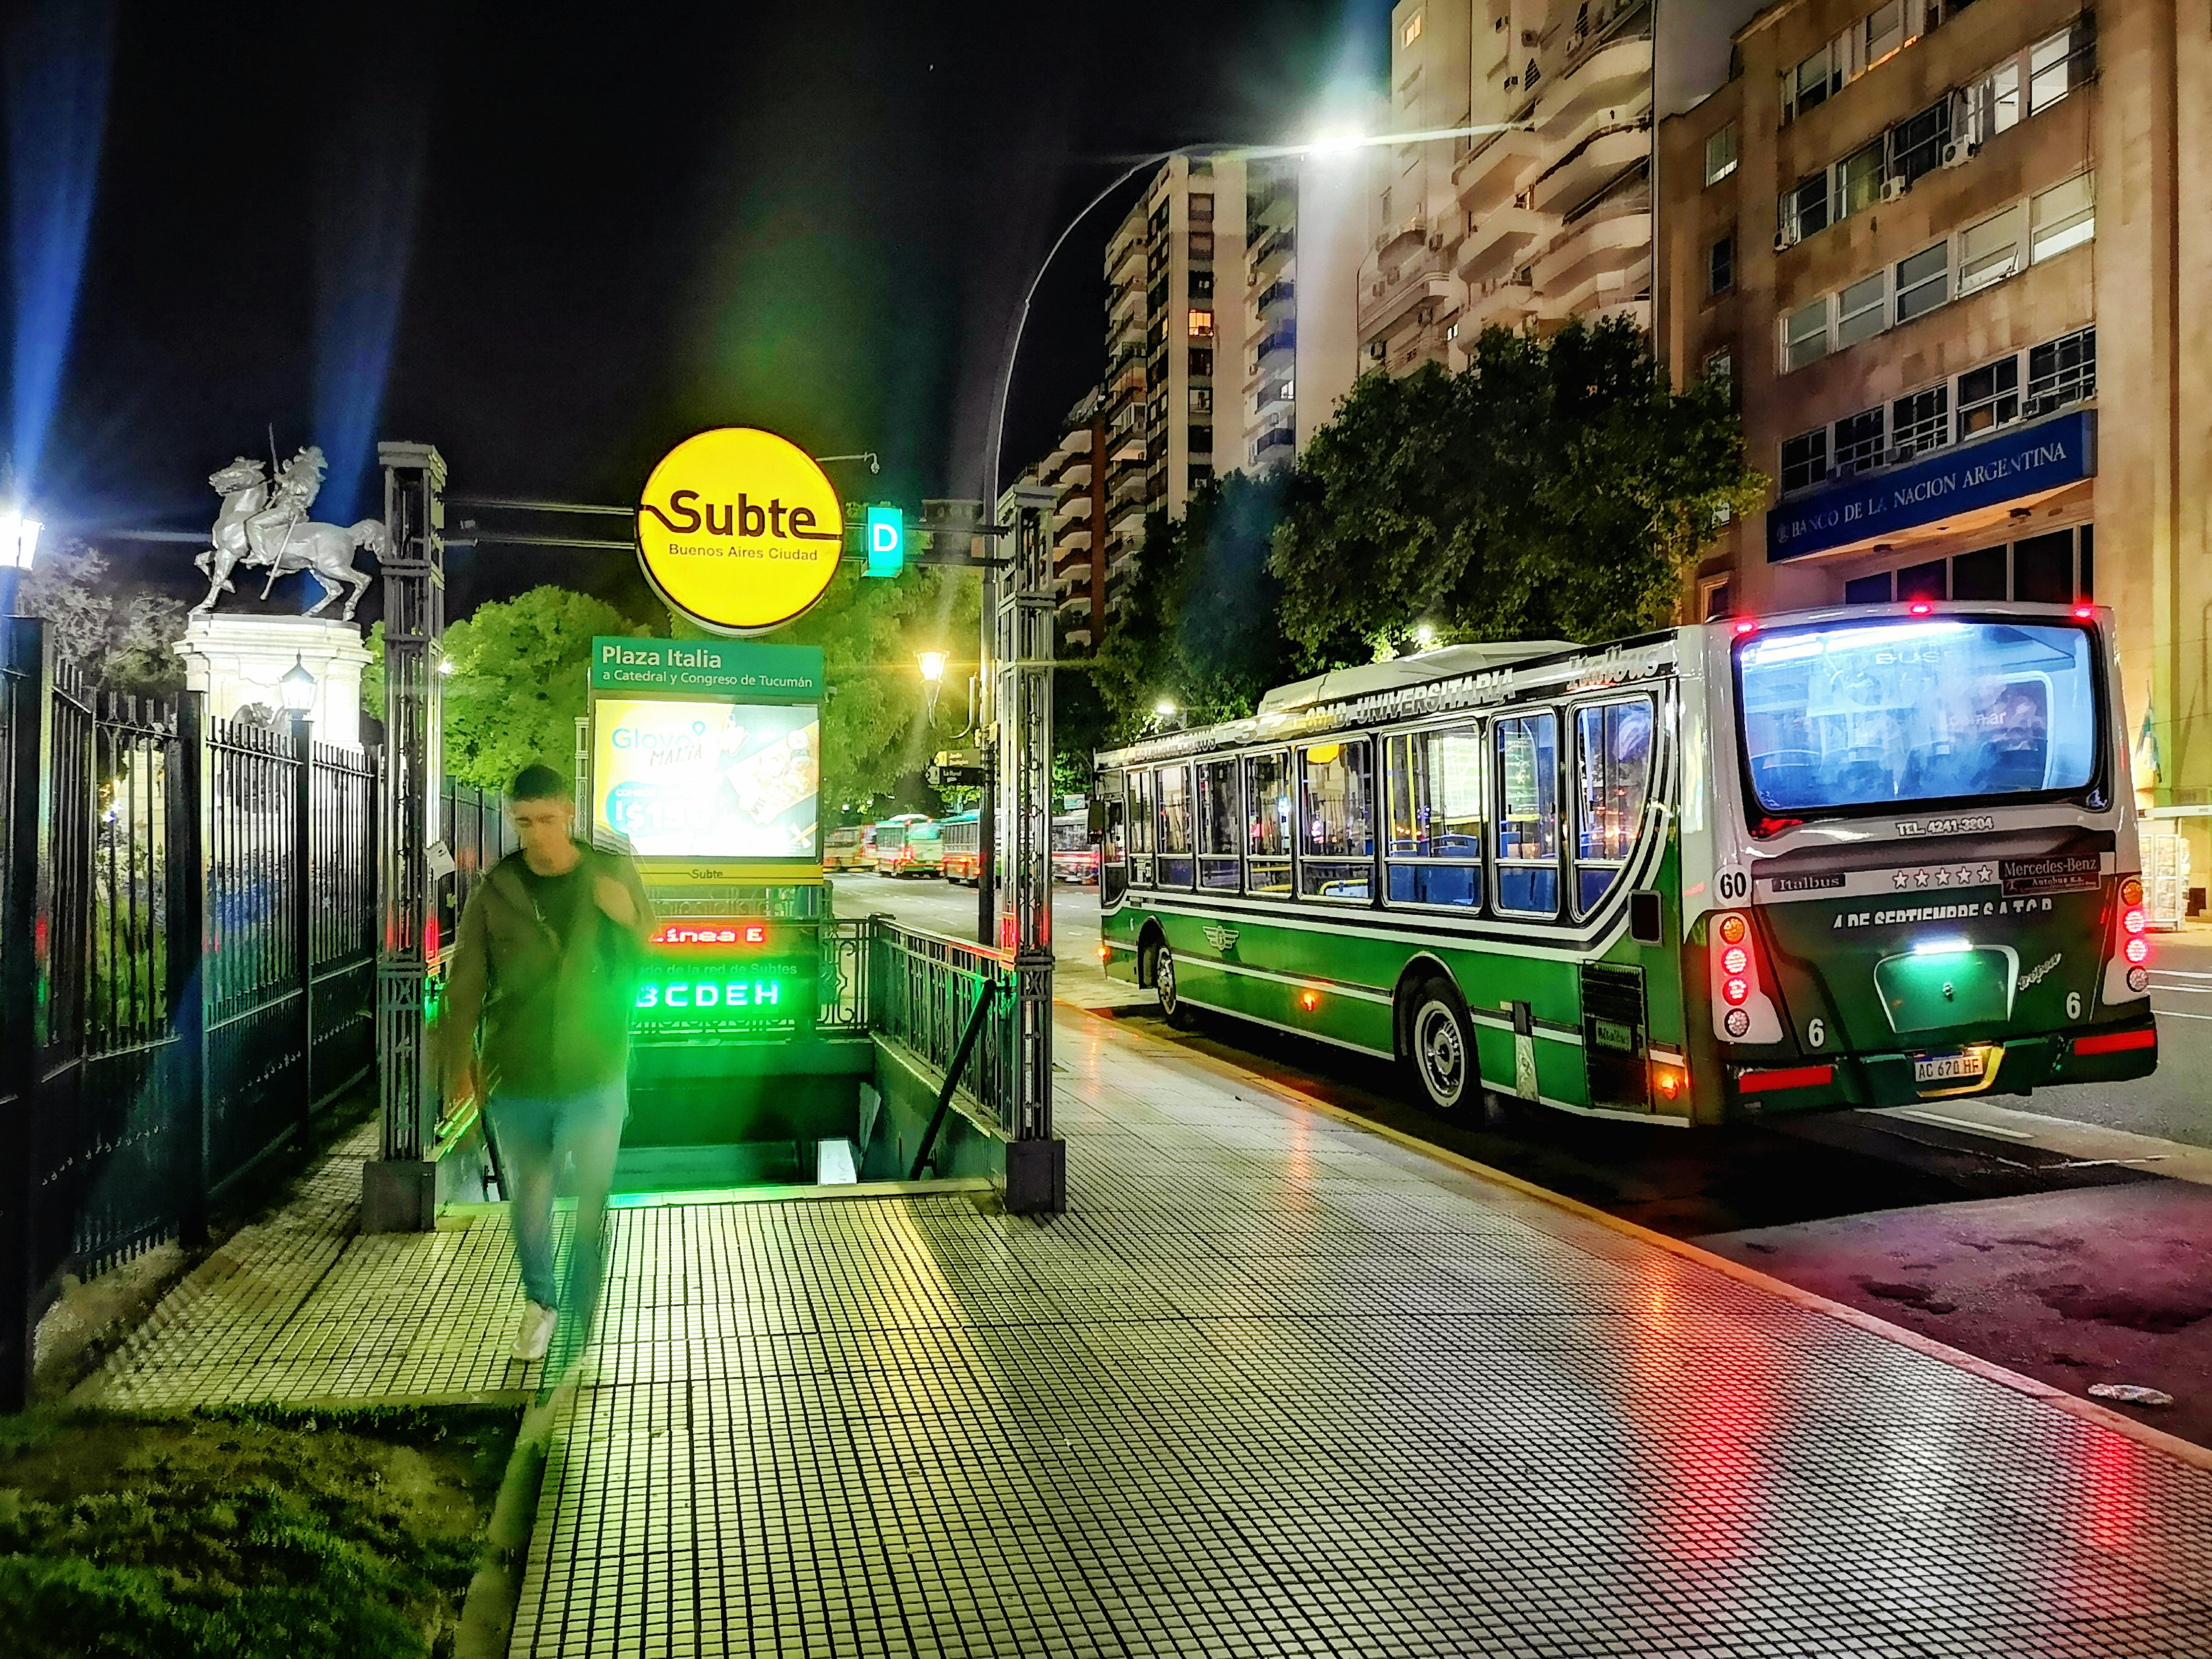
268	529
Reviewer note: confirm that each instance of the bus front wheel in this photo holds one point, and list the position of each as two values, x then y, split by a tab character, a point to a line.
1440	1049
1173	1008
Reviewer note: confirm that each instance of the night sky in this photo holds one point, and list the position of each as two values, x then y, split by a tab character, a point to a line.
553	240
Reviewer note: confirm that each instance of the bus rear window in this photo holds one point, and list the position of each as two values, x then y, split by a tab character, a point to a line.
1892	713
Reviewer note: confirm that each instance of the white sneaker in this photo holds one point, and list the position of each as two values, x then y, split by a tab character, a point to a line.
536	1332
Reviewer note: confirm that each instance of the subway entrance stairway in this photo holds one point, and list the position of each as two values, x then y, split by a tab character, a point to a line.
1274	1384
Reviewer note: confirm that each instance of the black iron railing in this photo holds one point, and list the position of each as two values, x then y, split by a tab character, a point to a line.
923	992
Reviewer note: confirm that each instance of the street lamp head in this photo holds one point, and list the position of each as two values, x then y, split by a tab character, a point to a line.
1342	143
1164	708
18	538
1425	635
297	688
932	665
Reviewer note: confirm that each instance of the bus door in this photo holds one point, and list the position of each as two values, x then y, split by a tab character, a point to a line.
1113	859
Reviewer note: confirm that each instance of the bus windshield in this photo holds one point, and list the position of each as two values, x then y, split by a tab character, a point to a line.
1851	714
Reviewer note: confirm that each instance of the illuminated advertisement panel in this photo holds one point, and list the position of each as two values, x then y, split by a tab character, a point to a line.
693	779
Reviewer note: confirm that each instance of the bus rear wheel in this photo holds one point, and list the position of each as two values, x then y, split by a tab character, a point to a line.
1173	1008
1440	1049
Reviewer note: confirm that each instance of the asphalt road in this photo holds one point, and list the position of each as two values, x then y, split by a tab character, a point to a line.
2173	1104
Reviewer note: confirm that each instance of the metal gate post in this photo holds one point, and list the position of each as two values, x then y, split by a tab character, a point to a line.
303	909
400	1190
187	958
1037	1162
29	690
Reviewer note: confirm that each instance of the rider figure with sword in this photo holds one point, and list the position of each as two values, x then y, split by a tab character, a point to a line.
298	482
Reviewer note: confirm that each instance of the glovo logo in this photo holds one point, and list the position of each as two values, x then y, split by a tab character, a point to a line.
739	529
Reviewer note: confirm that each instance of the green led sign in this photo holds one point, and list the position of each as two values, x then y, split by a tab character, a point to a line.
885	527
714	996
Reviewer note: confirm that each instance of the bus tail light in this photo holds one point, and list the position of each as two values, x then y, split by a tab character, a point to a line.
2113	1043
1743	1010
2129	976
1668	1082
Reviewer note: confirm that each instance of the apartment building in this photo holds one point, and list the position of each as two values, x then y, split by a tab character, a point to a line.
1306	233
1928	244
1074	473
1549	218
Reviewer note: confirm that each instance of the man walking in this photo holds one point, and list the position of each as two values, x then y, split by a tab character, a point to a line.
548	962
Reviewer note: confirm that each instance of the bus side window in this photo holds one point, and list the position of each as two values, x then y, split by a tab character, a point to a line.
1174	821
1140	827
1267	824
1336	832
1613	773
1526	749
1219	821
1436	817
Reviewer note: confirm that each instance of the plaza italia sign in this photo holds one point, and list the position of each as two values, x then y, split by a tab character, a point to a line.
2024	461
740	530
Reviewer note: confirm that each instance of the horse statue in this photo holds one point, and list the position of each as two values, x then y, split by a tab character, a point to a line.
267	528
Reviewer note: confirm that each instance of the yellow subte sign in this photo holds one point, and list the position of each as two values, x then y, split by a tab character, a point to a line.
738	529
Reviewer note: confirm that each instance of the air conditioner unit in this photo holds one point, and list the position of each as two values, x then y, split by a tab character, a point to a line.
1784	240
1893	188
1436	244
1956	155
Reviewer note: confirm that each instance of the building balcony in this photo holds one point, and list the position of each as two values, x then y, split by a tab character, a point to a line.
1615	75
1277	347
1388	290
1274	444
1276	297
1592	164
1269	254
1500	239
1610	240
1489	177
1502	303
1074	574
1076	538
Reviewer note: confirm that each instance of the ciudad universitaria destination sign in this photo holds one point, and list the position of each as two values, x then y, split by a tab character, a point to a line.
740	530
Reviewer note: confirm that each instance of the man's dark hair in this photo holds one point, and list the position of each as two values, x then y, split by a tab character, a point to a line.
536	782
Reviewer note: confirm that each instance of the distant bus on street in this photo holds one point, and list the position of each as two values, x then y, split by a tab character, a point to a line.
1075	853
909	844
1866	856
850	847
961	839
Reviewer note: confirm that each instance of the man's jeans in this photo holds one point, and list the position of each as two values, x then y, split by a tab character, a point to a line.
538	1136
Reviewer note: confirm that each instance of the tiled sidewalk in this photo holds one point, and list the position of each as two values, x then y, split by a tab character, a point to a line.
1273	1385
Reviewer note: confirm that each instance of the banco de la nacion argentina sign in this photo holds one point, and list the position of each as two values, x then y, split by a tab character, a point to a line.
2023	461
740	530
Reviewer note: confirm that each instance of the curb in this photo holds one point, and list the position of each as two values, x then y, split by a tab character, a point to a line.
2187	1452
488	1611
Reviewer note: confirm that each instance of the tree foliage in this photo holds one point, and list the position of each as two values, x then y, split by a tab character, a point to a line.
124	643
1197	624
517	687
1555	489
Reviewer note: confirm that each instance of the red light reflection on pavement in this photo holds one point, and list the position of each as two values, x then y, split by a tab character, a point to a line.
1707	1497
2108	1510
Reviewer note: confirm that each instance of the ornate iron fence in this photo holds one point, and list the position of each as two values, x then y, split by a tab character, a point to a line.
187	965
923	989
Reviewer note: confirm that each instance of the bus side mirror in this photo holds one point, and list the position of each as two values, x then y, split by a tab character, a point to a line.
1097	819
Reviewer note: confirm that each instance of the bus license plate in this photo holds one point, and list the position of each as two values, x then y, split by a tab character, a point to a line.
1950	1068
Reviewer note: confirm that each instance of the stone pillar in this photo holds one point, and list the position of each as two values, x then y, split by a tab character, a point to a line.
237	661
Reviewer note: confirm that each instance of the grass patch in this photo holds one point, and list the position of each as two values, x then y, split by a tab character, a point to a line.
252	1533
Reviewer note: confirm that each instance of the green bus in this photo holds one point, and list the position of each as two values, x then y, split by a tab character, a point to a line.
1856	857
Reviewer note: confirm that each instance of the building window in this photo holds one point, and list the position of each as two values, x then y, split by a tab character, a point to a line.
2065	215
1805	207
1202	400
1720	266
1990	252
1993	104
1720	370
1202	211
1862	311
1989	397
2062	371
1807	86
2060	63
1979	574
1805	459
1201	285
2042	569
1201	324
1197	477
1713	604
1720	154
1805	335
1923	582
1201	246
1201	441
1868	589
1412	31
1916	143
1884	33
1858	180
1201	363
1922	281
1921	422
1859	442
